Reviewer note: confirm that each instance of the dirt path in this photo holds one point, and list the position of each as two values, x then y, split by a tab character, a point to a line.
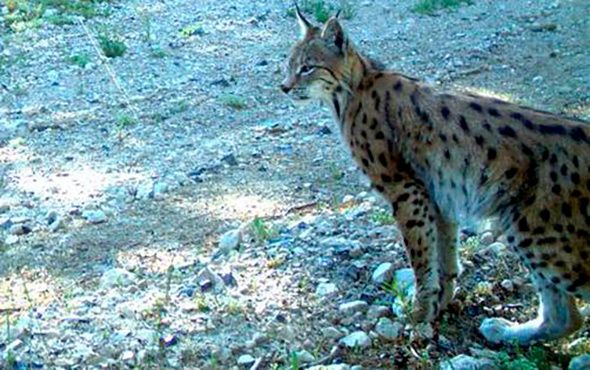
132	168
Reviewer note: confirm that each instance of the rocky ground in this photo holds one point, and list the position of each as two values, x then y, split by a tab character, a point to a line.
169	208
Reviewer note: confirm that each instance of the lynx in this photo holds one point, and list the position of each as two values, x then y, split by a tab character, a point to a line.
442	159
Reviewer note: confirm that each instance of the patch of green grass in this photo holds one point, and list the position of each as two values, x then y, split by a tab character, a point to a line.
111	44
322	10
81	60
260	230
383	218
192	30
429	7
25	14
233	101
158	52
124	120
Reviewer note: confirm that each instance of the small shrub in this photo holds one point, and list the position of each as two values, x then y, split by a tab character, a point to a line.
192	30
383	218
321	10
112	46
233	101
81	60
429	7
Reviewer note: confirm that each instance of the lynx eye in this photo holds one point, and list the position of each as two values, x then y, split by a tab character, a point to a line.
306	69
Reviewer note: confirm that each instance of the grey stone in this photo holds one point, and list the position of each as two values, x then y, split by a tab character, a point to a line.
19	229
160	189
356	339
382	274
376	312
246	360
352	307
464	362
145	190
330	367
94	216
507	284
116	277
486	238
388	329
230	240
11	240
332	333
304	357
326	289
208	276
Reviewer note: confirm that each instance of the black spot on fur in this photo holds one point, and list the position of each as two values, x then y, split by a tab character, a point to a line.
382	159
479	140
443	137
545	215
492	154
552	129
398	86
525	243
386	178
463	124
523	225
446	113
575	178
556	189
578	134
511	173
507	131
380	135
493	112
476	107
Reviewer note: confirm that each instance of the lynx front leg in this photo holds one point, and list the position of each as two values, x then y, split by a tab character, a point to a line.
416	217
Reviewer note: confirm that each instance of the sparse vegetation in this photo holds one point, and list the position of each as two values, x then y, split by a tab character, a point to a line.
382	217
233	101
25	14
429	7
111	44
260	230
322	10
81	60
192	30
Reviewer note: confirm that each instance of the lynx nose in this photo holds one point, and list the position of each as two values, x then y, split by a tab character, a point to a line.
285	88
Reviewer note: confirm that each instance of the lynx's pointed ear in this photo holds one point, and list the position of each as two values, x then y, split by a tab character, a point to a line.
334	34
306	27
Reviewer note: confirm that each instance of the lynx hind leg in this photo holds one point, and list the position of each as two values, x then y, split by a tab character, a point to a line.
416	218
557	317
448	259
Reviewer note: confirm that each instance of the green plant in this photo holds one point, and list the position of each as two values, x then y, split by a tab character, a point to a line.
158	52
321	10
260	230
429	7
382	217
394	289
81	60
111	44
146	24
233	101
124	120
347	10
295	363
192	30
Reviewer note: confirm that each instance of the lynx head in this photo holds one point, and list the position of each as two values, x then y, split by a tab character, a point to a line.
317	62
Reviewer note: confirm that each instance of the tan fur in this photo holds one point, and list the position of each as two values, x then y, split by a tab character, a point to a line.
444	159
